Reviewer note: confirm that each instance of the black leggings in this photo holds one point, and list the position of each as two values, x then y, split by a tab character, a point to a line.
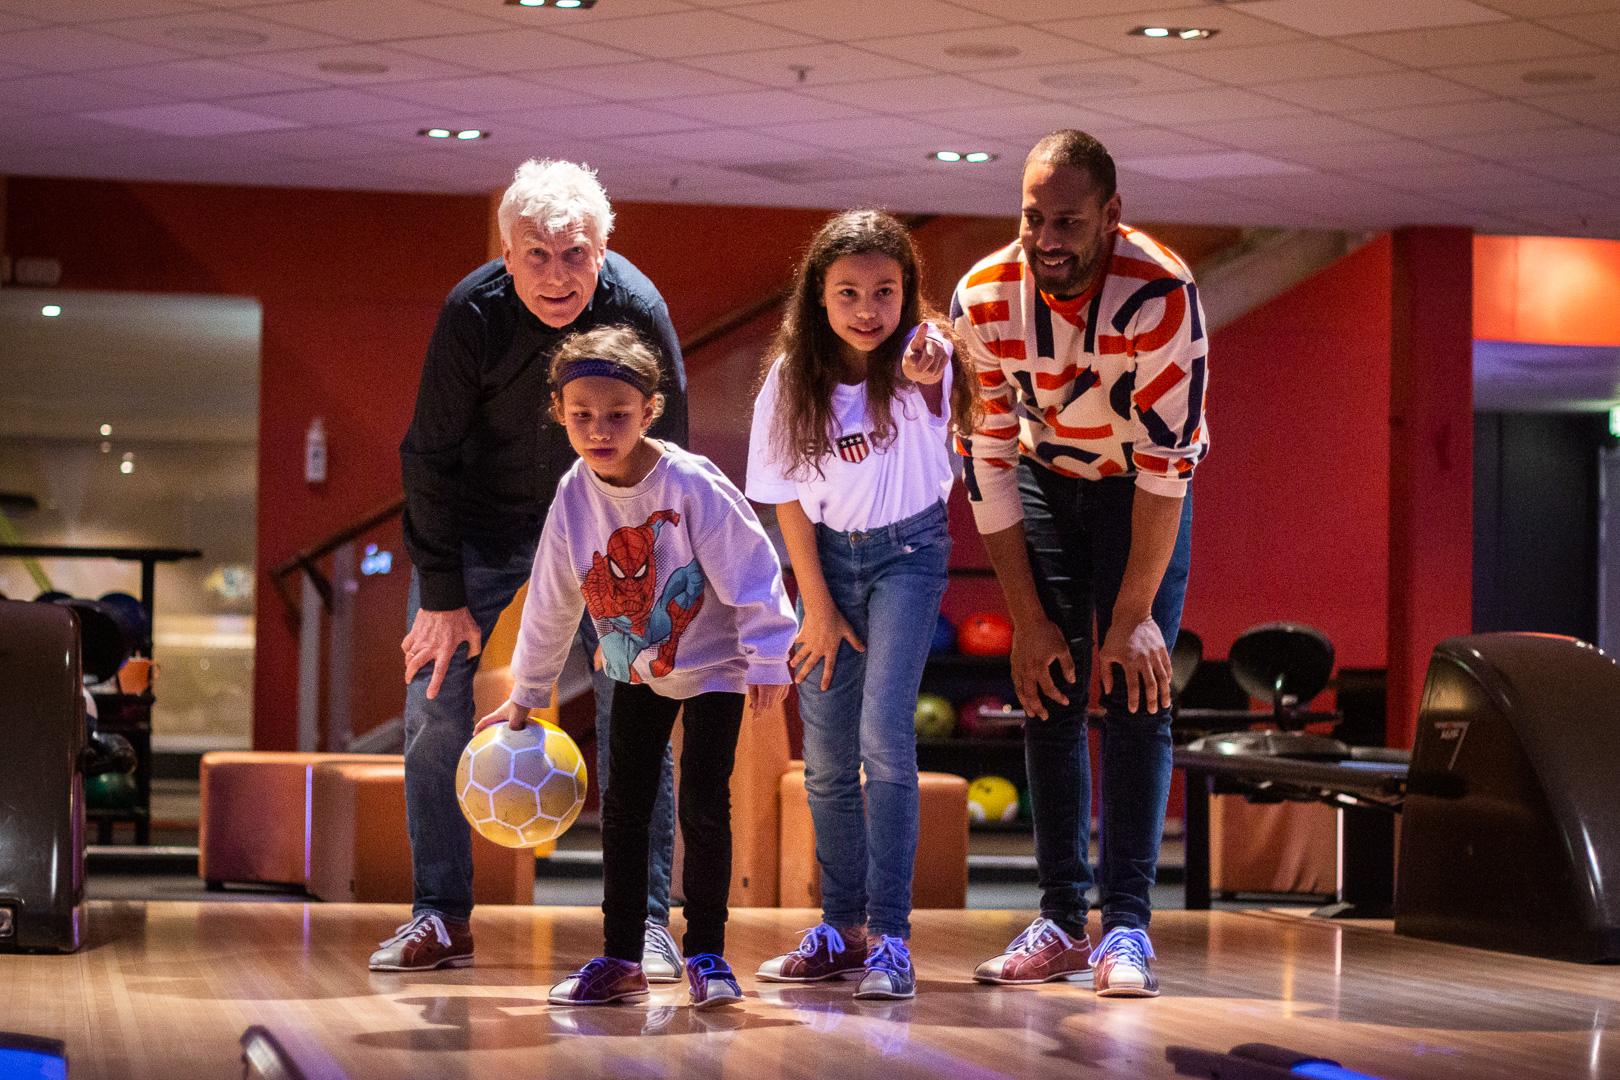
637	735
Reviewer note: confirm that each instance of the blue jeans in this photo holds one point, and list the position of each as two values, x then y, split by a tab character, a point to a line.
887	583
1078	534
436	731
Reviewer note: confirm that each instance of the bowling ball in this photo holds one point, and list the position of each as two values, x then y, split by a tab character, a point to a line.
1026	804
131	618
990	716
985	633
944	636
521	788
111	791
935	718
992	798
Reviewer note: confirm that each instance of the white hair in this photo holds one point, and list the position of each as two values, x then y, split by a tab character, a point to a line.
556	195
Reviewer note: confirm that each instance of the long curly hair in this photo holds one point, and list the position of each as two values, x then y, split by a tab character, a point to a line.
811	351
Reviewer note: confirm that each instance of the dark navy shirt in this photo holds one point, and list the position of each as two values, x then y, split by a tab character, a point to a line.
482	457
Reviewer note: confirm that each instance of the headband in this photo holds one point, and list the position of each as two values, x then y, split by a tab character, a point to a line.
588	366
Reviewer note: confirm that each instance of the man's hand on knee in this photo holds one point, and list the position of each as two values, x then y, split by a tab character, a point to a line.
434	638
1138	648
1037	644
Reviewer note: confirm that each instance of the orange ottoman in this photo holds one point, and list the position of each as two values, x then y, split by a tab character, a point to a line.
253	819
360	851
939	879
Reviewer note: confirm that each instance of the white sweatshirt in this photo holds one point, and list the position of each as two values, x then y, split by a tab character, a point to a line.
679	578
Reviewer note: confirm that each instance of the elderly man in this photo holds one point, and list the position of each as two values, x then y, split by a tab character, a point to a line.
1090	349
481	464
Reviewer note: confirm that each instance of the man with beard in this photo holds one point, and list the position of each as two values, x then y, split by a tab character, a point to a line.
1089	345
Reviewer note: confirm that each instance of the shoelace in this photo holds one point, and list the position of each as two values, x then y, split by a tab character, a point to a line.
1124	943
660	941
818	935
1037	934
416	928
889	954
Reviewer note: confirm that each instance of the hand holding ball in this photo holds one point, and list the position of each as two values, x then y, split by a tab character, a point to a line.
521	787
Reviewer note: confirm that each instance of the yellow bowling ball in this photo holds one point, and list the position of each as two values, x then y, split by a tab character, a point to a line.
521	788
992	798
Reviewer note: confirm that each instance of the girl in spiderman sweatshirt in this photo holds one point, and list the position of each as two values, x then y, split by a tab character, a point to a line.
686	592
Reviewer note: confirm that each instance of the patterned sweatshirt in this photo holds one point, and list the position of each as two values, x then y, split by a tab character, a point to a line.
677	574
1109	383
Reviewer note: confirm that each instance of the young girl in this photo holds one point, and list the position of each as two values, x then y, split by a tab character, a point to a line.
686	593
850	441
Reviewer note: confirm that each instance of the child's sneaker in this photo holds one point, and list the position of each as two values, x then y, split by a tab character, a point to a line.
826	952
1044	952
427	942
660	958
709	979
601	982
889	974
1121	964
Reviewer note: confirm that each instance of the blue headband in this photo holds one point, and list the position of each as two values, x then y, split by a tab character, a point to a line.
579	369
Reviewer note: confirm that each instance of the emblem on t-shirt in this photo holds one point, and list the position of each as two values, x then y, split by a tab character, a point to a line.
853	448
621	593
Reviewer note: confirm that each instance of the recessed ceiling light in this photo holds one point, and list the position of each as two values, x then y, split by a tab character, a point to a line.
106	429
216	35
1556	77
352	67
566	5
1183	33
50	311
126	466
972	157
982	50
469	134
464	134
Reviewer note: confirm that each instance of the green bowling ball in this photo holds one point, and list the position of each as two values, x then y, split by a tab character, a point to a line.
1026	805
111	791
935	717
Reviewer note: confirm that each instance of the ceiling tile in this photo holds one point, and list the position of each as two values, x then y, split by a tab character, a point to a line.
354	65
1091	80
216	33
871	132
687	33
1330	18
1279	132
1534	78
1426	178
192	119
1256	64
1363	156
1001	48
1577	170
757	107
83	11
1491	119
1553	142
592	121
513	50
482	94
1036	10
722	145
917	94
328	106
1139	140
1596	27
1479	44
378	20
315	144
553	18
852	20
65	132
1194	106
65	48
822	64
1599	109
1537	9
637	81
47	94
1214	164
450	171
205	79
1023	123
1389	91
10	21
1112	32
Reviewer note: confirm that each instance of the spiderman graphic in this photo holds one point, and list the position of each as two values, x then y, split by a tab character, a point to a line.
619	590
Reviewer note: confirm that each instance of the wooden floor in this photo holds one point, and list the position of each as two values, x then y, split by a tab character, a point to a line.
164	990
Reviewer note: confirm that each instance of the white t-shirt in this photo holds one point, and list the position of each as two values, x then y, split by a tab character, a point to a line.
861	486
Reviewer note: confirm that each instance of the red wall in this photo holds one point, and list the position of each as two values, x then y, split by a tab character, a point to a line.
1290	518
